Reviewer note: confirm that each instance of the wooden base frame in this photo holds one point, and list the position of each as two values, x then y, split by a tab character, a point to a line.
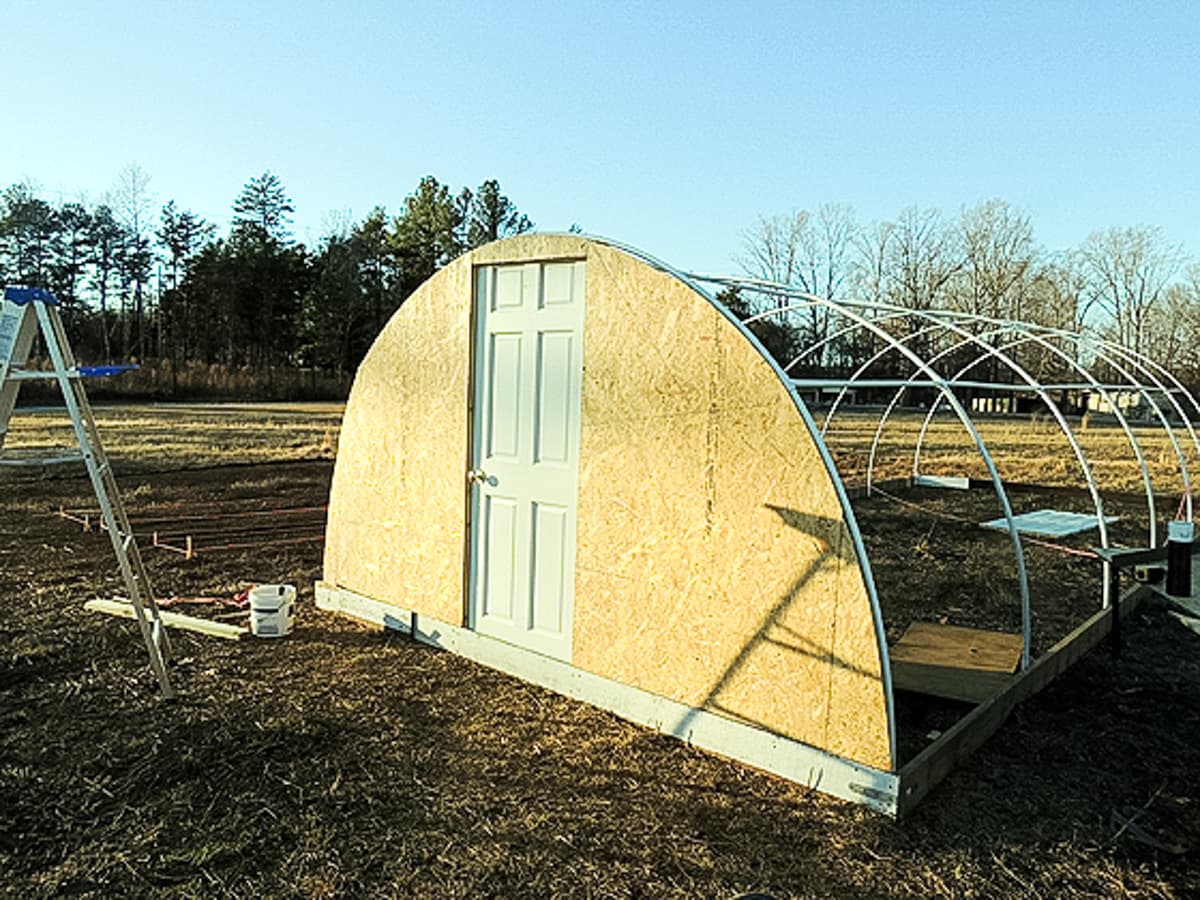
936	761
891	793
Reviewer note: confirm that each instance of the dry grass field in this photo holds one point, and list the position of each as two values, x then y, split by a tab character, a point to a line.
144	438
1024	450
346	762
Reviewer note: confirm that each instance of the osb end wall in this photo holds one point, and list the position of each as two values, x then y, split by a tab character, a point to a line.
714	564
395	529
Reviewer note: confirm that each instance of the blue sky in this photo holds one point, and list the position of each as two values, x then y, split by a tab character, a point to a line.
669	126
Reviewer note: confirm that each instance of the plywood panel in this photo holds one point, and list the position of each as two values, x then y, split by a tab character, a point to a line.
955	647
714	566
396	510
950	661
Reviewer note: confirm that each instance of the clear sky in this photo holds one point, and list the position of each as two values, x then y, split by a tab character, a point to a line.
669	126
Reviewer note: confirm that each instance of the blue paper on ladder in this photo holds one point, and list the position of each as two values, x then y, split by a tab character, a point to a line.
23	295
106	371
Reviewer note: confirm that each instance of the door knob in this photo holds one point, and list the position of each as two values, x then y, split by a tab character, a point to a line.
477	476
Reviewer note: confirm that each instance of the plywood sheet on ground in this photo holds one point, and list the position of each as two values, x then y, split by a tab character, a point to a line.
968	664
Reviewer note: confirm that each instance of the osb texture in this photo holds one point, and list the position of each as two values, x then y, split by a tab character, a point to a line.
396	507
532	248
714	565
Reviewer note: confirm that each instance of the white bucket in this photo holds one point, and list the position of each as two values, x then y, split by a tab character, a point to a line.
271	609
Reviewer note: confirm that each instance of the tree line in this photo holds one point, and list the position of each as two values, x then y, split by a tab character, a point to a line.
163	288
1127	284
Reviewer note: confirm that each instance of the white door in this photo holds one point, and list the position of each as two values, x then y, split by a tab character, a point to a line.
525	472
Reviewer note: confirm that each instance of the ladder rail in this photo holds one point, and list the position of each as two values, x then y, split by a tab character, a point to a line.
17	330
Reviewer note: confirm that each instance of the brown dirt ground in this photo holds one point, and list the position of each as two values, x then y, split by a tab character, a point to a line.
343	761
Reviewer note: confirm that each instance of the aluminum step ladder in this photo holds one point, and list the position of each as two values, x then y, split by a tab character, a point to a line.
24	312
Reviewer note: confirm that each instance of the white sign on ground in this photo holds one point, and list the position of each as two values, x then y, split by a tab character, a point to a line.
1050	523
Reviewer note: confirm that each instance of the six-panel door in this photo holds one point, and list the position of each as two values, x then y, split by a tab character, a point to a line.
525	466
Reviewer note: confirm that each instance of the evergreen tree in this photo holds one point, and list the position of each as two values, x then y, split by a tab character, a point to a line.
336	310
265	269
28	233
72	252
107	240
774	332
263	210
425	236
492	215
373	254
181	235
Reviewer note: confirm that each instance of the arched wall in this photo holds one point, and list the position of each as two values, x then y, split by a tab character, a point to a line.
714	562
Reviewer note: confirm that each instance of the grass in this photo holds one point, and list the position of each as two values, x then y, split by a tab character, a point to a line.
1024	450
174	436
169	436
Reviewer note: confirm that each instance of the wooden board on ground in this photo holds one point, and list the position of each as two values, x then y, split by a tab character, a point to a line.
171	620
957	663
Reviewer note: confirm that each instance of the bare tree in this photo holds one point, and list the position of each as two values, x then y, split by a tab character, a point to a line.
872	250
1172	326
869	281
771	252
811	252
999	257
1054	295
1051	295
131	202
825	245
924	256
1127	271
770	247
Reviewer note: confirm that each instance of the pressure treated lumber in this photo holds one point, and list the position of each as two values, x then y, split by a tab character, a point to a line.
937	760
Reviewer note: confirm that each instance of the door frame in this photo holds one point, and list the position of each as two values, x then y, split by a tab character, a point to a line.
471	548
